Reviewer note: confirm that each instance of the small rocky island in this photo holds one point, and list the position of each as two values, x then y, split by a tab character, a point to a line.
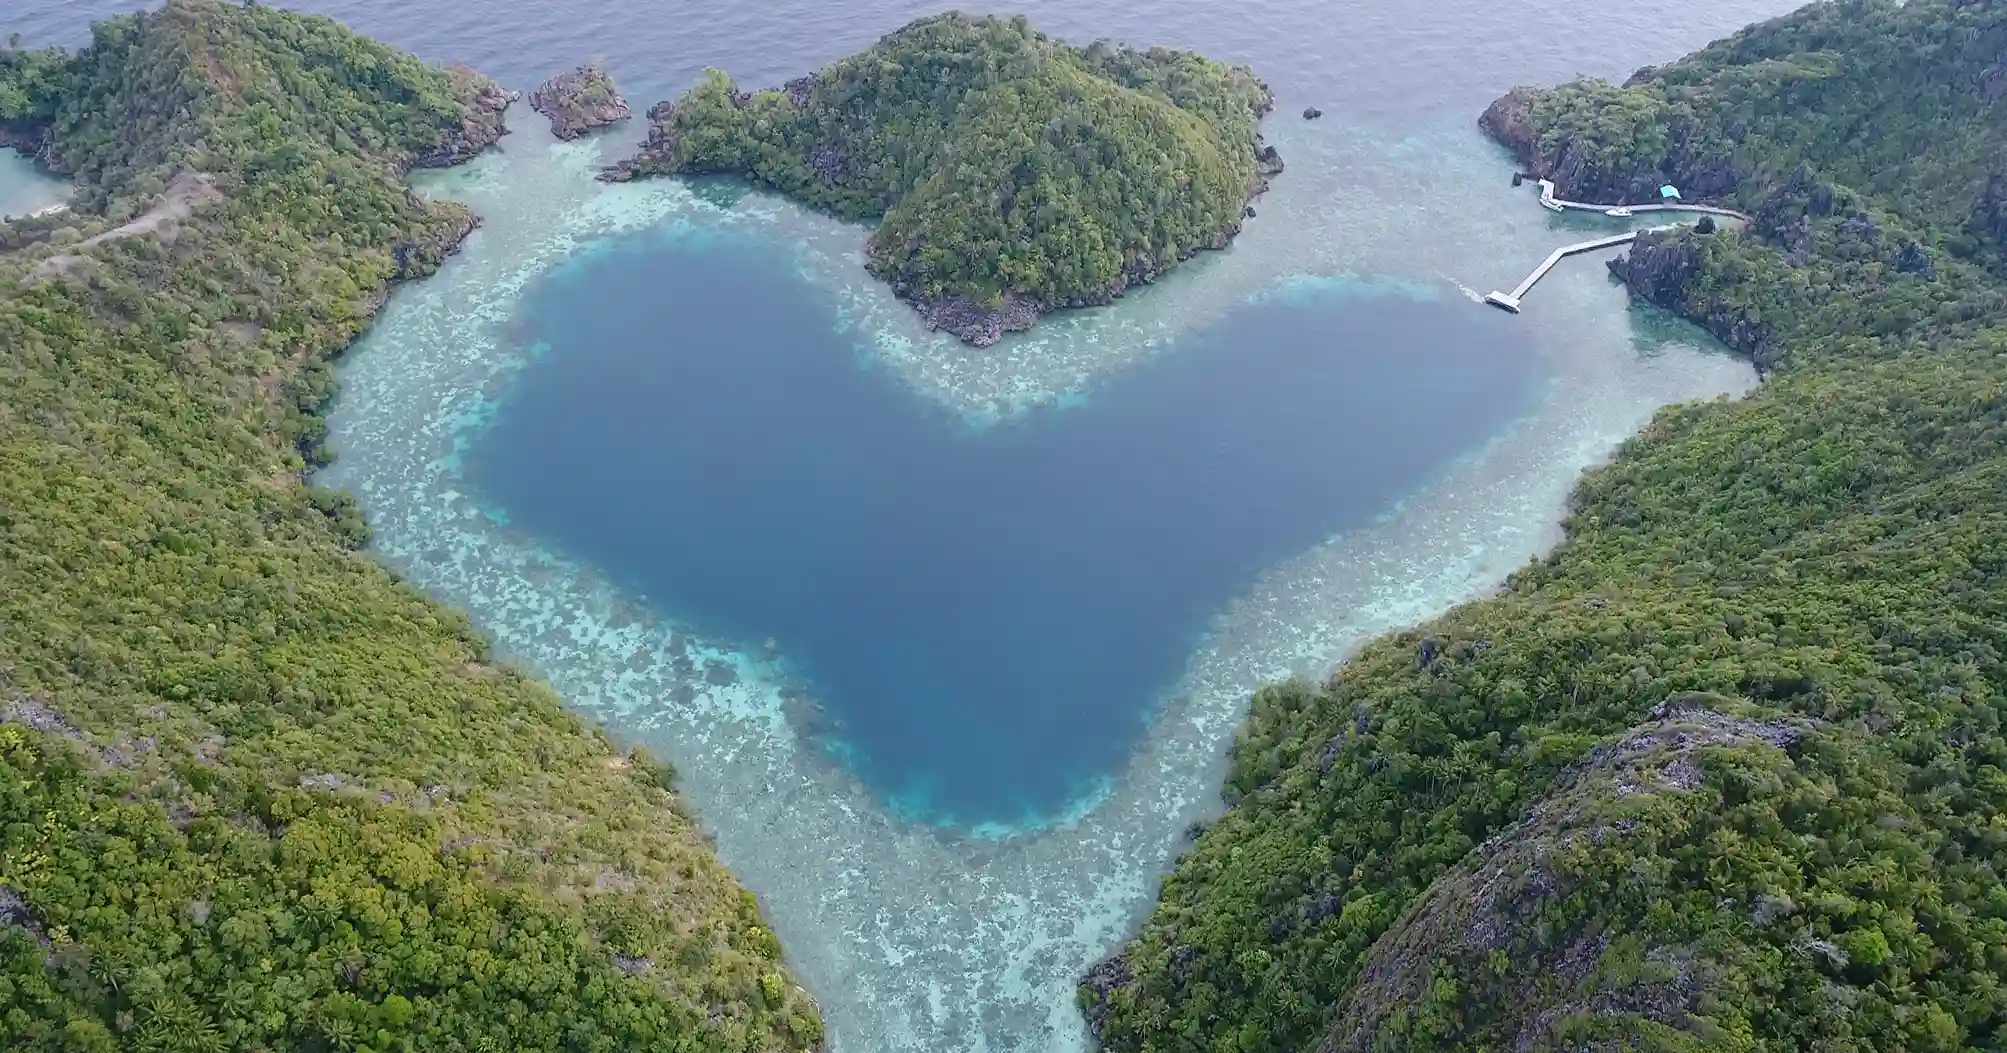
1011	174
579	101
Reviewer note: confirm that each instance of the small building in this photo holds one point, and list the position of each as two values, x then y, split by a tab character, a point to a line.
1668	192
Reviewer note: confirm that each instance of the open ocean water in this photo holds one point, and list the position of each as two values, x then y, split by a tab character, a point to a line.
948	643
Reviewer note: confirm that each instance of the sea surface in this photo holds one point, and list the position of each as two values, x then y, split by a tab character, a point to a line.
949	643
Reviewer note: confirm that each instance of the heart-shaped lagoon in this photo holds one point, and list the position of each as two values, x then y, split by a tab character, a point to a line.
987	616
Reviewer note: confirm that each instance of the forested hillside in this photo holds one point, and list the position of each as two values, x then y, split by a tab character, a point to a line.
1726	771
254	793
1013	174
1899	103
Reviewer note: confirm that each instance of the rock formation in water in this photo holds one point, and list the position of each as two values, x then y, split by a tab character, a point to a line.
579	101
1011	174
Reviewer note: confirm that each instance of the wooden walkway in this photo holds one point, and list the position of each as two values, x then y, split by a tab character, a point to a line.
1510	301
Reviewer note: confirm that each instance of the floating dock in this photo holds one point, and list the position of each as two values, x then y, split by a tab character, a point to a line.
1510	301
1554	204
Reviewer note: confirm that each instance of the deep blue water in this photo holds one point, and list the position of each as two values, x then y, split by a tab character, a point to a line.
986	616
1385	61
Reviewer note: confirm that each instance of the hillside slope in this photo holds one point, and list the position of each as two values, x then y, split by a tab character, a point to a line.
1013	174
1904	103
254	793
1429	852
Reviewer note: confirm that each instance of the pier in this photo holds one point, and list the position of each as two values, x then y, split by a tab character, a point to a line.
1510	301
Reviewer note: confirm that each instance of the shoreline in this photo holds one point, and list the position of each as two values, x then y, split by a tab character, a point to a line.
783	821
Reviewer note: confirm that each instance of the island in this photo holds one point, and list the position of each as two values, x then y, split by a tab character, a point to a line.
579	100
1009	174
1724	770
255	793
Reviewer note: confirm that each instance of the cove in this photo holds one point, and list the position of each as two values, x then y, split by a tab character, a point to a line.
25	188
986	617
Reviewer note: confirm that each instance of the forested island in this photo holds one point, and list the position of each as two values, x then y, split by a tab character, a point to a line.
254	792
1727	770
1009	174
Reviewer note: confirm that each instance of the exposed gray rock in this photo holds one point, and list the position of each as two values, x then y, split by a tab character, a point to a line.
579	101
1492	901
1107	975
632	966
1663	267
38	716
1694	161
1267	161
481	128
976	323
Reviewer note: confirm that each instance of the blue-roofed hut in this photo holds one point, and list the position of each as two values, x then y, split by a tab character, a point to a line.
1668	192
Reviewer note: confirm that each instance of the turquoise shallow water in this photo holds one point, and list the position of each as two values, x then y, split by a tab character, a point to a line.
23	189
913	936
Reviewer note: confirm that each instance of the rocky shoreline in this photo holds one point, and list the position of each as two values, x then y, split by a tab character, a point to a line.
1580	172
30	141
482	127
1659	267
579	100
1662	268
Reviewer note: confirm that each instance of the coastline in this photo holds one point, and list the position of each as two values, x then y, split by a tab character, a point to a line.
787	819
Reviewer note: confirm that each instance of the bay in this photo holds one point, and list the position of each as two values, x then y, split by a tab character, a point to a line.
965	932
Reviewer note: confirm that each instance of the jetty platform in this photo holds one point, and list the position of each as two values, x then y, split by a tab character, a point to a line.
1510	301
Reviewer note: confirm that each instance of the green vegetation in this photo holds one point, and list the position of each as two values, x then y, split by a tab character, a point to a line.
1013	174
1901	103
254	793
1728	770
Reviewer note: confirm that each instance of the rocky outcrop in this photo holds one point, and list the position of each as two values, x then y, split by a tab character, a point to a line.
22	137
1503	901
656	149
579	101
1102	981
33	140
480	127
1589	171
974	323
418	257
1509	122
1663	268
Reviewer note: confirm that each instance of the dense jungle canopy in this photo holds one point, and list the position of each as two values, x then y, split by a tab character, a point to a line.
254	793
1001	165
1727	770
